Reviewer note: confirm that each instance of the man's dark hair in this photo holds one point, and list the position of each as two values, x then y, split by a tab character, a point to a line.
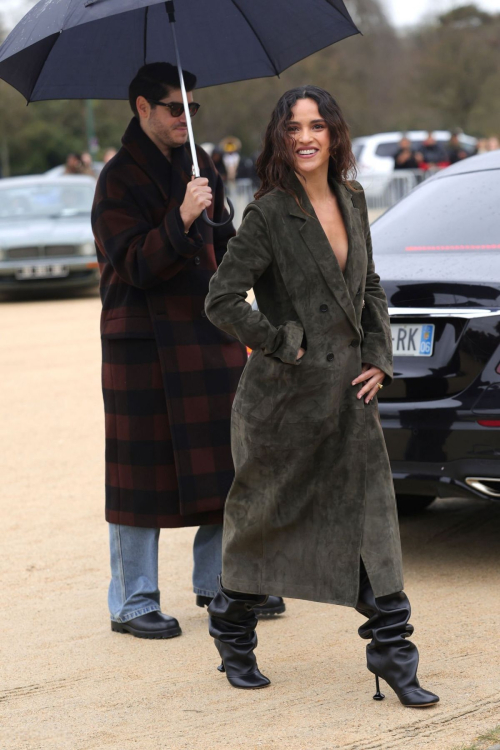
155	81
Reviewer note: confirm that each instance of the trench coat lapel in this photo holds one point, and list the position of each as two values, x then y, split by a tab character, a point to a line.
343	287
356	257
170	177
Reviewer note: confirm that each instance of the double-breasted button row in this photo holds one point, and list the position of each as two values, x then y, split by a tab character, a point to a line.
197	260
354	343
323	308
330	356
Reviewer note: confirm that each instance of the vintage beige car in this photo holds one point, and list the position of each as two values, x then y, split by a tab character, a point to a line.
46	239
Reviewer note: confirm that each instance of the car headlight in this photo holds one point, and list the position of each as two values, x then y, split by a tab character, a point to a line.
87	248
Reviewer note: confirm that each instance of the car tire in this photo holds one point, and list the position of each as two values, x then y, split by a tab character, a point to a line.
410	505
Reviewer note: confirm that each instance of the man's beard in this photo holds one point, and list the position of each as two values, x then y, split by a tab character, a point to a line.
167	140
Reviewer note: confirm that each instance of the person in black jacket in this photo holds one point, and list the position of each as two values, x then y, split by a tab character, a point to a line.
405	157
433	153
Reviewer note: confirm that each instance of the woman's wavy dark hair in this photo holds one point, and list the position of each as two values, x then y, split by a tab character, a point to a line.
276	164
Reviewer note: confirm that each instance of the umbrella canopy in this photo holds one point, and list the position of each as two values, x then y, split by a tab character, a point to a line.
91	49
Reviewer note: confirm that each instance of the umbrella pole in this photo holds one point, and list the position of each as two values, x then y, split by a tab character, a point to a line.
171	17
169	6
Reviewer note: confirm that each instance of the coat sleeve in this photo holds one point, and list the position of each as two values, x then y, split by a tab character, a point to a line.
142	255
376	348
222	235
248	256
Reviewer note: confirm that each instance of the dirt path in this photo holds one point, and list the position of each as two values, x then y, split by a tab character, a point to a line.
68	683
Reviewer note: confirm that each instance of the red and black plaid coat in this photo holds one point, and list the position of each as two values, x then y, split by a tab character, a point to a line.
169	375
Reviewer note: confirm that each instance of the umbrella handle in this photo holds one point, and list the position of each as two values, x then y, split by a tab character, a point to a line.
211	223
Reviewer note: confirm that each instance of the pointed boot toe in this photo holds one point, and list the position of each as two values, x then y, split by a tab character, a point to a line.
251	681
418	698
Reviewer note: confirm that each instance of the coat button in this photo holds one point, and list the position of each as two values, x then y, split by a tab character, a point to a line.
354	343
330	356
323	308
197	260
203	314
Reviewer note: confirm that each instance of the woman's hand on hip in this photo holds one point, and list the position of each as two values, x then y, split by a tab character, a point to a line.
371	377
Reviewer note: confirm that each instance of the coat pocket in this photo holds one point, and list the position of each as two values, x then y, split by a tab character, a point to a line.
283	395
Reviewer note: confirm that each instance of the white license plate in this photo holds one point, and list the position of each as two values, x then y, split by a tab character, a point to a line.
410	340
56	270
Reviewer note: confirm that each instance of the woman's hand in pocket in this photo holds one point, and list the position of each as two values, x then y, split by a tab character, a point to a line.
300	353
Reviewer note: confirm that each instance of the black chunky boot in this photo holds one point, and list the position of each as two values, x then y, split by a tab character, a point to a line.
274	605
232	622
390	655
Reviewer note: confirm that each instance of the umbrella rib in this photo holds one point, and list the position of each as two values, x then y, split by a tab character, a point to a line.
56	37
257	35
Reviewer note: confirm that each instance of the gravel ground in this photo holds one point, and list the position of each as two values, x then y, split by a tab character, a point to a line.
68	683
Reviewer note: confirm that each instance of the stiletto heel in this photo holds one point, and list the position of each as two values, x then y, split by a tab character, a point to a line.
378	695
221	667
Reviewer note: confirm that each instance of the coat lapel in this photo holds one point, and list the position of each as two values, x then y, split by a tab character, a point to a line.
170	178
148	157
356	258
342	287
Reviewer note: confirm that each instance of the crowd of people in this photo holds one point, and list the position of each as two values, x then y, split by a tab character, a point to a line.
432	154
232	165
229	161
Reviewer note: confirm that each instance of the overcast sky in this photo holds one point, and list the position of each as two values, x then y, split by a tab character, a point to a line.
401	12
405	12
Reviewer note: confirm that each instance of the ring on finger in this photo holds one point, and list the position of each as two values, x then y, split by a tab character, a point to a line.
380	386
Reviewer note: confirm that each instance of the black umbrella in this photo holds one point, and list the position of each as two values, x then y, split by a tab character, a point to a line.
91	49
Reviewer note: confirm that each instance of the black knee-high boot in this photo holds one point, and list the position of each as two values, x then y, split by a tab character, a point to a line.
232	622
389	655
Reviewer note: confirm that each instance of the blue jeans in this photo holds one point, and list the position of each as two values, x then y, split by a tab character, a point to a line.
133	590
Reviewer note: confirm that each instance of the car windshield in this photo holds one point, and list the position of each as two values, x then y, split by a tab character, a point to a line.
387	149
45	200
391	149
449	215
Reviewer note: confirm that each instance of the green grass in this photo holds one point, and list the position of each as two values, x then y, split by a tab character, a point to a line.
484	741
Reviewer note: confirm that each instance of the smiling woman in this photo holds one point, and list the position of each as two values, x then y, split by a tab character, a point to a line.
311	513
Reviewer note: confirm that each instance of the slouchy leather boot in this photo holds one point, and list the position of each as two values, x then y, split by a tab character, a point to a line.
232	622
390	655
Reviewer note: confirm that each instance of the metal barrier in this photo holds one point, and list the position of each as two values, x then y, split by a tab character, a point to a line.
241	192
384	190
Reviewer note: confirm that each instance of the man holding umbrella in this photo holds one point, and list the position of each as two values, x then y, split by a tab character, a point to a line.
169	376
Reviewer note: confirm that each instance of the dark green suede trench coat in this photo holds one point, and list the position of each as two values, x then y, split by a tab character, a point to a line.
313	490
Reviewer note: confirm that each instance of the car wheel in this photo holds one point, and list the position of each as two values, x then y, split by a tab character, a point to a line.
409	505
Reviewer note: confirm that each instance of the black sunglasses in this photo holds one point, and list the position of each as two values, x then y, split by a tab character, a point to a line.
177	108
